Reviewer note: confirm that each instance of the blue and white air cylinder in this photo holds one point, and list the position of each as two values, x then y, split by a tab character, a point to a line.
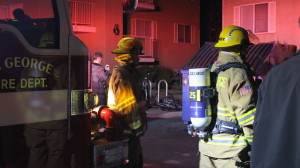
200	108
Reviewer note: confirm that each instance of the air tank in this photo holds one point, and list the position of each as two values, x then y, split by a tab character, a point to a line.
200	109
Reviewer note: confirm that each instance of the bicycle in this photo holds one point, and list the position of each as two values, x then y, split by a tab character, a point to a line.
147	89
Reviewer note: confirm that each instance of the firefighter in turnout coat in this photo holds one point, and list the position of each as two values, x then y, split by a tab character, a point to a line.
235	105
125	97
277	139
277	128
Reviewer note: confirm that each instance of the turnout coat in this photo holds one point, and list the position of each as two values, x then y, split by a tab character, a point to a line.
276	141
236	104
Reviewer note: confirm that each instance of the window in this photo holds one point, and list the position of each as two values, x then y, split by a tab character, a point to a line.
37	25
259	18
145	29
184	33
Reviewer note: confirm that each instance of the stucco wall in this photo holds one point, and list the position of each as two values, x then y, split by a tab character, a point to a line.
170	54
287	14
107	13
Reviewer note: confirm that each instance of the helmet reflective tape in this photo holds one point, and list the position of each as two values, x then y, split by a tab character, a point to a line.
231	31
232	36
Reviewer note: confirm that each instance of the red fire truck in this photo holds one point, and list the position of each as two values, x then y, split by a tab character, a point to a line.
44	77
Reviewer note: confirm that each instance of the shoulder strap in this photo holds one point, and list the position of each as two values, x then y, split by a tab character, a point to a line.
214	100
249	71
231	65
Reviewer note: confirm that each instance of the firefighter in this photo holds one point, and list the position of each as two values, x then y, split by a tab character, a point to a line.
125	97
235	105
277	138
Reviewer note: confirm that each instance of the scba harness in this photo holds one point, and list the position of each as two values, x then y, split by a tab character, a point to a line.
218	126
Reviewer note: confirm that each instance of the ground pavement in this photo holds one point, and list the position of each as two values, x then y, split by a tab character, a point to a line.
167	143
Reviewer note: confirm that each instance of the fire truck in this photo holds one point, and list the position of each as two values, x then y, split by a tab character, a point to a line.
44	77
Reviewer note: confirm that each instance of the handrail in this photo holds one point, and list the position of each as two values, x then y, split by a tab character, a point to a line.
158	89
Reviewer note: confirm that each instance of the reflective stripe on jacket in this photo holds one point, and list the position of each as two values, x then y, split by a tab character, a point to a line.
125	98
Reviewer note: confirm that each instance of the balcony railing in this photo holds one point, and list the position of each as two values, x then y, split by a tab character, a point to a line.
81	12
82	16
146	5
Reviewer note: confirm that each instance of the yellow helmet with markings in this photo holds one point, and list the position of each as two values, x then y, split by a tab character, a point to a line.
232	36
128	45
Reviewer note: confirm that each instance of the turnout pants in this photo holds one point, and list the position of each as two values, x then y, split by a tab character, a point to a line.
210	162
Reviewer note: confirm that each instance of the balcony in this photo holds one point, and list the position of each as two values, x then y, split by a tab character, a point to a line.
145	5
82	16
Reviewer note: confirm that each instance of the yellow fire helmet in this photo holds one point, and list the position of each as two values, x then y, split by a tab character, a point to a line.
129	45
232	36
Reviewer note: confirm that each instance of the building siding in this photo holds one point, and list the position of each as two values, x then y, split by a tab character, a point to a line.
107	13
287	14
170	54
